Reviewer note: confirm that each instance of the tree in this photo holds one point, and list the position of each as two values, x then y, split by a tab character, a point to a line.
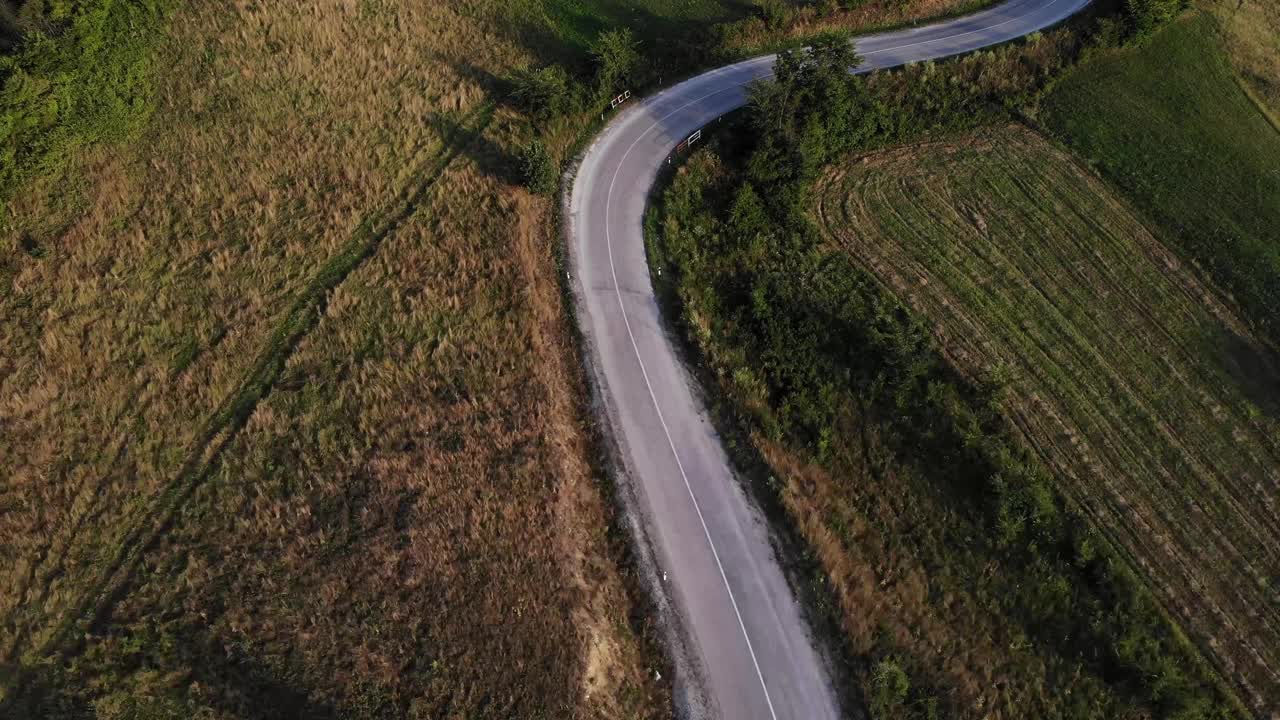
890	689
617	58
538	170
812	110
1145	16
543	93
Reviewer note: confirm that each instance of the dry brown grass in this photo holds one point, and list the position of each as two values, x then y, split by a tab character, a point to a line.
1251	31
407	521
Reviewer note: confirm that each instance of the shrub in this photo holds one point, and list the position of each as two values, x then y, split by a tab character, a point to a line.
80	75
617	58
1145	16
889	690
544	93
538	170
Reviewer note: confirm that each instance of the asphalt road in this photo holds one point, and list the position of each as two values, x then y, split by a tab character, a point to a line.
751	654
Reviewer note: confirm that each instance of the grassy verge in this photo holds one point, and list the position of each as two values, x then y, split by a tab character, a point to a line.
1251	34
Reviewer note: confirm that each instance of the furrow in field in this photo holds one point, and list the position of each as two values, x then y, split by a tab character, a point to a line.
1018	258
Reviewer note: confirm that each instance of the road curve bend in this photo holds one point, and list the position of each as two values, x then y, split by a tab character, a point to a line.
751	655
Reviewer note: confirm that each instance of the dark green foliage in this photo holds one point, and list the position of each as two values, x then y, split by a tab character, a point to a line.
892	696
818	331
890	689
775	13
814	111
538	170
617	58
10	29
1145	16
544	93
81	74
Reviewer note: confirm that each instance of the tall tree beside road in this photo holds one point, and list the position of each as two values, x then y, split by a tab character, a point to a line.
617	57
811	111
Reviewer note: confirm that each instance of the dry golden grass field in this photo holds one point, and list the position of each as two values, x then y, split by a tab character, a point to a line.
1251	31
290	413
1144	392
291	417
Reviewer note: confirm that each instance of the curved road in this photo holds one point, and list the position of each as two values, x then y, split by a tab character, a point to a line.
750	652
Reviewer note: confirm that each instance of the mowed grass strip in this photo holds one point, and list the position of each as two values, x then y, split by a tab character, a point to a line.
1169	123
1146	394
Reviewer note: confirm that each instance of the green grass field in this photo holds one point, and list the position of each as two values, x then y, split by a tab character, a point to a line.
1168	123
1157	410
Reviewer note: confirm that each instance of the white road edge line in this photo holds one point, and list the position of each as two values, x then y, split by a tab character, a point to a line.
636	348
959	35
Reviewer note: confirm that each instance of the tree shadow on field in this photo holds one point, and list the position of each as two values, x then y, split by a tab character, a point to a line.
497	87
490	157
242	686
1254	368
229	683
37	695
500	89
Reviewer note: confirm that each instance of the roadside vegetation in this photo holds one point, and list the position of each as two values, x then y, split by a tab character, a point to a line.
1077	483
291	417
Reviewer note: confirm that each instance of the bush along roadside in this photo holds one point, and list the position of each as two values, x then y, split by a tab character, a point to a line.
80	74
815	331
